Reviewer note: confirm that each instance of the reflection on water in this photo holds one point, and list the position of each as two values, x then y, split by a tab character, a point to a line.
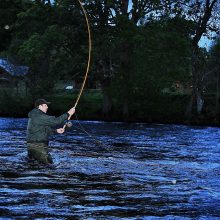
121	171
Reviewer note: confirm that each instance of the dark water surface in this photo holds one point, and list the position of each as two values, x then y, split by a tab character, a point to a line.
138	171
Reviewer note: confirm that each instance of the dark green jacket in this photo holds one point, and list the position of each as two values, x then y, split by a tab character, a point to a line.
41	125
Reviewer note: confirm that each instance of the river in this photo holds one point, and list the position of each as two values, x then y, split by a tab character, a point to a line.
112	171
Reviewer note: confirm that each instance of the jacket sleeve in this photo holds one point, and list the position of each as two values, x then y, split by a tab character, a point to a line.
51	121
51	131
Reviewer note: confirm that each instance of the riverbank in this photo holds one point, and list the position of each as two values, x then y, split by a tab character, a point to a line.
166	109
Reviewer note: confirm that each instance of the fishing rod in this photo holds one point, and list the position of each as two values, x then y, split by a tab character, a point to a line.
69	124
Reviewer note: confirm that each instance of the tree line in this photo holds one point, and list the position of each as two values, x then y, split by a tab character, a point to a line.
140	47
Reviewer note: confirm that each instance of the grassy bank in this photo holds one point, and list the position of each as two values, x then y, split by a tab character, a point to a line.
19	106
164	109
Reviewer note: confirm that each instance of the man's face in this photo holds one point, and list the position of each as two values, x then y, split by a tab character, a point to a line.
43	108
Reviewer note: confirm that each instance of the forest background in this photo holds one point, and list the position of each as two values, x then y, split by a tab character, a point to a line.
147	65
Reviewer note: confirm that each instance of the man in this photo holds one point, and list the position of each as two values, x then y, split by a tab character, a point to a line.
40	127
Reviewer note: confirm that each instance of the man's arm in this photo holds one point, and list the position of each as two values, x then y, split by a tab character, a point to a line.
53	121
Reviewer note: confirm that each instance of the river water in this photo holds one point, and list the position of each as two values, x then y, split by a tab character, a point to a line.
114	171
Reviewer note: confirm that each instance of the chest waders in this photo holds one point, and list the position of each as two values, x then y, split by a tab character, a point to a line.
39	152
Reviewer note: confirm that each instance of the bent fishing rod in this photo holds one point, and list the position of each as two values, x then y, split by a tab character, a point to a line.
88	62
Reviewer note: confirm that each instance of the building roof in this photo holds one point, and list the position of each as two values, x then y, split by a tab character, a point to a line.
12	69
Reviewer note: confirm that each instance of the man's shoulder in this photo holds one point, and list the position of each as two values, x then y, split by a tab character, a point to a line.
35	113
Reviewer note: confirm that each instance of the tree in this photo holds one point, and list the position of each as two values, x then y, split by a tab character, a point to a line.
53	46
160	57
8	17
118	22
126	23
213	73
203	15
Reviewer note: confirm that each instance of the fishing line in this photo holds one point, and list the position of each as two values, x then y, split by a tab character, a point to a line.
89	134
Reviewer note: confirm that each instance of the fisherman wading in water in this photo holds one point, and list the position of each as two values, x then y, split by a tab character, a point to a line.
40	127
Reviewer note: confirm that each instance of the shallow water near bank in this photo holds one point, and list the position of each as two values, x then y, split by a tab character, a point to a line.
118	171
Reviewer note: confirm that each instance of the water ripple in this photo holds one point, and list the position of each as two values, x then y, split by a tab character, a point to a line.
120	171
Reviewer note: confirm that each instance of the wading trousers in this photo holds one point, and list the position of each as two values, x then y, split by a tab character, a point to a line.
39	152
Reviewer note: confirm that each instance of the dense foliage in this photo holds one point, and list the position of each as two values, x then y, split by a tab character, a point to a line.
141	50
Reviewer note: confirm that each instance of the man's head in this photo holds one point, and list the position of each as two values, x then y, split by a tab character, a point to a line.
42	104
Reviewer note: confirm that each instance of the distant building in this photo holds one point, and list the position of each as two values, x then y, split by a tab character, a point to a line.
12	76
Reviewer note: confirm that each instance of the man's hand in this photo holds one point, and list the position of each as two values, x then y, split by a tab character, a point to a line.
60	130
71	111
